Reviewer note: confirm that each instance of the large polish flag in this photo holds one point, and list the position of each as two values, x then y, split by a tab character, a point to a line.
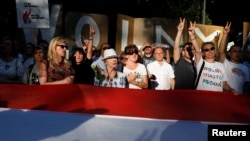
87	113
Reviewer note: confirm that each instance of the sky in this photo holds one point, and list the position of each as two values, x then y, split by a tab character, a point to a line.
221	11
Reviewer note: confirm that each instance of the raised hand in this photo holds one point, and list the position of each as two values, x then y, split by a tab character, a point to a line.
91	31
217	37
191	29
181	24
227	28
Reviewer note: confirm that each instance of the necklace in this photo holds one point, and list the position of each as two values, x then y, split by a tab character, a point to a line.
110	74
110	82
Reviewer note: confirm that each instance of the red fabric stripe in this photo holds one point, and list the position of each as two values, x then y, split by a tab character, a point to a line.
177	104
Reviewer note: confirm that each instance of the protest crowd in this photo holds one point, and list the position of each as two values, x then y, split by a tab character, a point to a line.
210	67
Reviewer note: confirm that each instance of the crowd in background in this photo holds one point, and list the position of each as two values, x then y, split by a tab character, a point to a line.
210	67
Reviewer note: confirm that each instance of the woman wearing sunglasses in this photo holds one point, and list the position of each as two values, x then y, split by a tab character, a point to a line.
135	72
211	74
57	70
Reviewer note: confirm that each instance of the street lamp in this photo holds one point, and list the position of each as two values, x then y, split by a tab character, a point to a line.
204	12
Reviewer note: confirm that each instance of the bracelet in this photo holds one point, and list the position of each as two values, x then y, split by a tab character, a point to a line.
231	90
137	83
193	38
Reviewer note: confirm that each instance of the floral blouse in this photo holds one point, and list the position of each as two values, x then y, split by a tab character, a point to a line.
117	82
59	72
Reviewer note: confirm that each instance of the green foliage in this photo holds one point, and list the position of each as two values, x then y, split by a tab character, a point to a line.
99	75
192	10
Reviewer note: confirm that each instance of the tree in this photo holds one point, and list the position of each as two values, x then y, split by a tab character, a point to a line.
192	10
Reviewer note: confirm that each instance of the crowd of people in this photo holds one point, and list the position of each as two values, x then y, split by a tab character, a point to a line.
210	67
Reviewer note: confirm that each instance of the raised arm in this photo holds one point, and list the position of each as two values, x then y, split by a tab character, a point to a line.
176	51
167	56
191	32
216	43
223	44
90	44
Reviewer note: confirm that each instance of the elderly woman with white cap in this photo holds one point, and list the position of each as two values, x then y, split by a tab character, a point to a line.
110	77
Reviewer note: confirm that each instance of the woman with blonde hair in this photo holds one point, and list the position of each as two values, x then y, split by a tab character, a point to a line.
57	70
211	75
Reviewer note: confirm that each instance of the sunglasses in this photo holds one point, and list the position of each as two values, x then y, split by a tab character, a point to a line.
104	48
146	47
123	58
63	46
131	52
208	49
189	49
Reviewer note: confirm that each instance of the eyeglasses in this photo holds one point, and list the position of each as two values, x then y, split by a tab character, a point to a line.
146	47
104	48
208	49
189	49
63	46
123	58
131	52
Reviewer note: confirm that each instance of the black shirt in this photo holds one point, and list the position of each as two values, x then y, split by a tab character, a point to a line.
84	74
185	74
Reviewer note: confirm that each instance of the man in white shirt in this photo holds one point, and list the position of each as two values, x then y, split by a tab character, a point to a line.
163	71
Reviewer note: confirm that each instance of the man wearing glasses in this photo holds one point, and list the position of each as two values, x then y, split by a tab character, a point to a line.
183	61
147	53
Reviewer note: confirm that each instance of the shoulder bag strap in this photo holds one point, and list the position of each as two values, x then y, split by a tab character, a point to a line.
198	77
16	67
